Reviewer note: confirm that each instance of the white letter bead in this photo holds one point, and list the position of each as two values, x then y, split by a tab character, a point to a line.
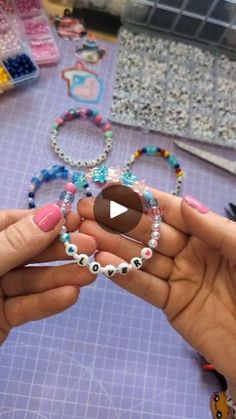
95	268
136	263
71	249
109	270
146	253
82	259
124	268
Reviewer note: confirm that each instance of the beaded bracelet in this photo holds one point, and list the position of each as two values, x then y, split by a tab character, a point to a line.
102	175
85	114
152	150
55	172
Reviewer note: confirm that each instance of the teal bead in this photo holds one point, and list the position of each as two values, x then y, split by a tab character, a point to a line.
95	112
172	161
108	134
79	179
151	150
128	179
55	126
65	237
148	195
99	174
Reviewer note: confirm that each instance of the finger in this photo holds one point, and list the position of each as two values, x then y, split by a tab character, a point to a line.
213	229
56	251
172	241
34	280
159	265
20	310
142	284
11	216
29	236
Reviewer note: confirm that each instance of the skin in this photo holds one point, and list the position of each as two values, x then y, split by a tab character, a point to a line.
32	293
191	276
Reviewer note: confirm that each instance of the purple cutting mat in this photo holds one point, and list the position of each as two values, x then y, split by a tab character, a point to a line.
111	356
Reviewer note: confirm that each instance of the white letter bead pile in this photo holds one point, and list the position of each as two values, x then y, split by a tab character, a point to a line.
151	205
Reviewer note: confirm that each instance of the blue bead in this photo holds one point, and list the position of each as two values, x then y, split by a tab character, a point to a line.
95	112
172	161
31	194
67	197
88	194
65	237
46	175
79	179
128	179
36	182
89	112
99	174
86	185
151	150
148	195
31	205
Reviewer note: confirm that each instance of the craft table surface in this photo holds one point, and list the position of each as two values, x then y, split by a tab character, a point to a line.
111	356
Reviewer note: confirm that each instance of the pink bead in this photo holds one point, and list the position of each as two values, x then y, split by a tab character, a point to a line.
107	127
70	187
59	121
154	211
98	119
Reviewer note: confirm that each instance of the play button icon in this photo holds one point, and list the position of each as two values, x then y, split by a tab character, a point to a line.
118	209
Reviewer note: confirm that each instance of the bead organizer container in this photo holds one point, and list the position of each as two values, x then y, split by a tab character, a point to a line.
17	66
35	29
174	87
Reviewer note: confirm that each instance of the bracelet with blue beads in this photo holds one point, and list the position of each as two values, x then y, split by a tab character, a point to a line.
57	172
152	150
101	175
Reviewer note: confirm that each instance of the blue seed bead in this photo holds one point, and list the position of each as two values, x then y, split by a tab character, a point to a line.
89	112
86	185
95	112
31	205
172	161
88	194
144	149
64	173
151	150
67	196
46	175
31	194
148	195
65	237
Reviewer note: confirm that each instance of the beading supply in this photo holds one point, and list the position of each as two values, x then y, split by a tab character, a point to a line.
82	113
102	175
56	172
152	150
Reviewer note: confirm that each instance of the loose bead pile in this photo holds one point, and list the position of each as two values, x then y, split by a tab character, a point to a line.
102	175
152	150
57	172
98	120
19	66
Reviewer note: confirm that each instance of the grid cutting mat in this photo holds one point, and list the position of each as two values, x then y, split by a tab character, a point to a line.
111	356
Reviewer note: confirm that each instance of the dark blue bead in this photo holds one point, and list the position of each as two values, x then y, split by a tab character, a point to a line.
88	194
144	150
176	166
89	112
31	205
86	185
31	194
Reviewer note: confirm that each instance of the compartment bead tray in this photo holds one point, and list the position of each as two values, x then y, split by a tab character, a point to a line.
174	87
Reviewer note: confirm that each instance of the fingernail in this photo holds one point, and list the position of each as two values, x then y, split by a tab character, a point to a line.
48	217
194	203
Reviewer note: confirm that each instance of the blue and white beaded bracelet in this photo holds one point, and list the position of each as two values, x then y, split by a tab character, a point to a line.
53	172
102	175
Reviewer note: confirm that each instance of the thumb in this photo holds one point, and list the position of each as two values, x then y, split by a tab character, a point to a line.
213	229
29	236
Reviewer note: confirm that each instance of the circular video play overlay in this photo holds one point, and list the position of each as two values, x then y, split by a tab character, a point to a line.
118	209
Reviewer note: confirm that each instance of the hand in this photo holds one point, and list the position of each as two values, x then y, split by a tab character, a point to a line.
191	276
31	293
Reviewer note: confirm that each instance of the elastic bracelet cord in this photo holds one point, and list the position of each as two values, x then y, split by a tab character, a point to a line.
152	150
98	120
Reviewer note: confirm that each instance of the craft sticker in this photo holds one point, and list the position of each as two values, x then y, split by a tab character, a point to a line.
90	52
70	28
83	84
219	406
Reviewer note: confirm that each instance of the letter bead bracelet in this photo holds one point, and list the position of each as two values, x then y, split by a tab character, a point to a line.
98	120
101	175
152	150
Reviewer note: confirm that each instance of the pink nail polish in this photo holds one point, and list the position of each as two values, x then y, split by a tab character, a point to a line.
48	217
194	203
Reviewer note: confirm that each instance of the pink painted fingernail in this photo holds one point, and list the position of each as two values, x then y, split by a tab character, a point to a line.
48	217
194	203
